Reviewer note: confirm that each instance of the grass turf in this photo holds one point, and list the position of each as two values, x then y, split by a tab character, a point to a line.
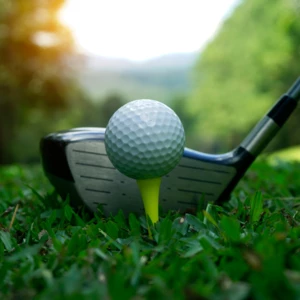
247	249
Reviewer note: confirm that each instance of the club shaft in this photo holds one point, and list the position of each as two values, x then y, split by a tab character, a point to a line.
294	91
270	124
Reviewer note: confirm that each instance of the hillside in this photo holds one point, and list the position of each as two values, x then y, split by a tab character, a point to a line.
157	78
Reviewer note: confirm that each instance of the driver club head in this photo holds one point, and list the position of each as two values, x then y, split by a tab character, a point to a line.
76	163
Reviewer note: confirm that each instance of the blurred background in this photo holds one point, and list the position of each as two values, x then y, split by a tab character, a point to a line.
219	64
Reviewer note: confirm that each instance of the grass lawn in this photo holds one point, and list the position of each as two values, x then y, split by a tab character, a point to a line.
247	249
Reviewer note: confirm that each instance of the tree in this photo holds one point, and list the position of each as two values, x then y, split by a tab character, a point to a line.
252	60
34	72
97	114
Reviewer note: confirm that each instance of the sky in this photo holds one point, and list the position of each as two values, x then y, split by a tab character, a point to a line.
139	29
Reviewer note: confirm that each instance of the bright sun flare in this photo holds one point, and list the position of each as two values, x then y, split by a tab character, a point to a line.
138	30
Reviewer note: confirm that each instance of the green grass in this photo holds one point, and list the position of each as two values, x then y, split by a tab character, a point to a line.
247	249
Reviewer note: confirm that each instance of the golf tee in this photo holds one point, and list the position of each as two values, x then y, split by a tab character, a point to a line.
149	189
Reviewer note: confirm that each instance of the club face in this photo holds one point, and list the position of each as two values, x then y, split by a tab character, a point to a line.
91	179
76	163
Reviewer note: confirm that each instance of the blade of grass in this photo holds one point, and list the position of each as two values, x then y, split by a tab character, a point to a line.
6	240
13	217
256	207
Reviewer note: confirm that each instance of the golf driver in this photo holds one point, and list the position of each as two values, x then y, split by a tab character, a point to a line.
76	163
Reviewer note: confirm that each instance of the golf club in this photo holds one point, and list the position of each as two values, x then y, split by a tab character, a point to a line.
76	163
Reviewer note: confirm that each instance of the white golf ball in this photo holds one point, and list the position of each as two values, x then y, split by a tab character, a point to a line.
144	139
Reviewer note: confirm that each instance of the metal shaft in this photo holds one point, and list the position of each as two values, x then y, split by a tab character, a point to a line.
294	91
270	124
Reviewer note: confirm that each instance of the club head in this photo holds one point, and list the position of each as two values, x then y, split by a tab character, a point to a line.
76	163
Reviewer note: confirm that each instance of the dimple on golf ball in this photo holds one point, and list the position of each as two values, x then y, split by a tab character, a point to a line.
144	139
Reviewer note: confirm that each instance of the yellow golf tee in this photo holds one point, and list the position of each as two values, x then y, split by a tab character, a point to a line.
149	189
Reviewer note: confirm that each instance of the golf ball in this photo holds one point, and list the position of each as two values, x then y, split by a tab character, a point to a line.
144	139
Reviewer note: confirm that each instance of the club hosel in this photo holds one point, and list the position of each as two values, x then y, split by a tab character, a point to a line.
260	136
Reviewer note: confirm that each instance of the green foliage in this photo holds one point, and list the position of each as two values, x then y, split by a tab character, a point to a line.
256	207
35	77
247	249
244	69
97	114
178	104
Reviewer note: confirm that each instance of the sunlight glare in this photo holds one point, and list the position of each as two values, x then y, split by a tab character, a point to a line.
139	30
